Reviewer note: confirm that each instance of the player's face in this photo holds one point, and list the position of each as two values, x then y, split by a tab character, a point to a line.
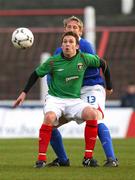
74	27
69	46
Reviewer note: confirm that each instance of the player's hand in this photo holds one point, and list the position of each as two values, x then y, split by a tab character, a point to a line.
19	100
109	92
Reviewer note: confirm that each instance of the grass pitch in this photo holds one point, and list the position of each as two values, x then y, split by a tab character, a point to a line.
18	156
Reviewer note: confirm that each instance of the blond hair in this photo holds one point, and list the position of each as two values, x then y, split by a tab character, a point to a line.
73	18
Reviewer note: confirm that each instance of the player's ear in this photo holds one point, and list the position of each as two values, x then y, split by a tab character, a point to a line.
64	30
80	34
77	46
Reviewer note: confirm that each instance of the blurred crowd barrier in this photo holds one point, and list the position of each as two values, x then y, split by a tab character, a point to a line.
25	123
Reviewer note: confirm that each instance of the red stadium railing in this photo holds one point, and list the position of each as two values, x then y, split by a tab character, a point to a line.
41	12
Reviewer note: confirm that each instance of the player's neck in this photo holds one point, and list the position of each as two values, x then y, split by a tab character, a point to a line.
68	57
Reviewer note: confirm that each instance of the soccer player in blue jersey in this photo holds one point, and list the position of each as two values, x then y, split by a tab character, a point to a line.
93	91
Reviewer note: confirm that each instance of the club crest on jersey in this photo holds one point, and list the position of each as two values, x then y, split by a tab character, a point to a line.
80	66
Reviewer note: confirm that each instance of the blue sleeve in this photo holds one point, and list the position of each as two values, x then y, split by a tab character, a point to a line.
86	47
58	51
89	49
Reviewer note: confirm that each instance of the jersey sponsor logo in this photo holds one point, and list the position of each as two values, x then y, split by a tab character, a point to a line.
60	70
71	78
80	66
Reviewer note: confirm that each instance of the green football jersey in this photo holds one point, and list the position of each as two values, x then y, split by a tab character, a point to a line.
67	74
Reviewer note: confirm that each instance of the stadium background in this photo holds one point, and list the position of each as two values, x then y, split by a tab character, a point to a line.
18	155
115	37
16	65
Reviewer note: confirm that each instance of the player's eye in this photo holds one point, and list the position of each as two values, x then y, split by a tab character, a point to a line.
75	27
71	41
64	41
69	27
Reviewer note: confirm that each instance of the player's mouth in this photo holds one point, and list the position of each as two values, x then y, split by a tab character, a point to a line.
67	49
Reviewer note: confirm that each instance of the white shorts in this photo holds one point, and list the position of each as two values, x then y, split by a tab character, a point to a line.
95	96
70	108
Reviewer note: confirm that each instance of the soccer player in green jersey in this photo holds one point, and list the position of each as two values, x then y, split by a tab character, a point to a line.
67	70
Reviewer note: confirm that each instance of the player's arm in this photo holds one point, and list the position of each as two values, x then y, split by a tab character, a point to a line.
89	48
40	71
103	64
91	60
95	61
31	81
107	75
